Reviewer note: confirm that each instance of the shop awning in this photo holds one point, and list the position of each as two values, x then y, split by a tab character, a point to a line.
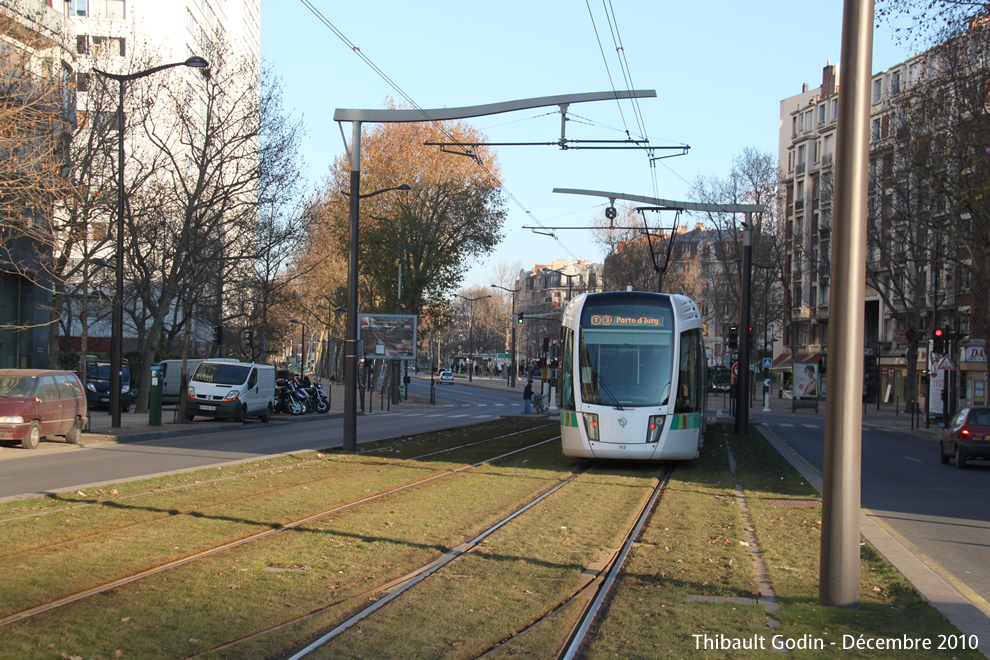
804	358
781	362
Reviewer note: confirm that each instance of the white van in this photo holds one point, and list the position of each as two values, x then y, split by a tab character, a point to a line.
172	376
231	390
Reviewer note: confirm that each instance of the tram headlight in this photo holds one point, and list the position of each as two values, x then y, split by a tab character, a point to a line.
591	426
654	428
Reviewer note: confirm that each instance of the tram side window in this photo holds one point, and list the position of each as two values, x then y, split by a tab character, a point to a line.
690	385
567	372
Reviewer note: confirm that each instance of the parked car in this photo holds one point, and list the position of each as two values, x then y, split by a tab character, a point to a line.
98	385
37	403
966	436
447	377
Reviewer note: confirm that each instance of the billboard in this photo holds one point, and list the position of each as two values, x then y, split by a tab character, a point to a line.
387	336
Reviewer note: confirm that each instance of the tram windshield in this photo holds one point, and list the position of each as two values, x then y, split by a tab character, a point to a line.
626	352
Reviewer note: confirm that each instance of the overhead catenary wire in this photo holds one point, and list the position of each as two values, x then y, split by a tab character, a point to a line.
364	58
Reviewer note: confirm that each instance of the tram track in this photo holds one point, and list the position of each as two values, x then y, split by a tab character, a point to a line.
248	497
590	594
82	594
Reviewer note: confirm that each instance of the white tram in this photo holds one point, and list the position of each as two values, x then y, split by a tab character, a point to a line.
632	382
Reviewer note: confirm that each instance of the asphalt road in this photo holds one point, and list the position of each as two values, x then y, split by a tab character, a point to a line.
938	509
61	468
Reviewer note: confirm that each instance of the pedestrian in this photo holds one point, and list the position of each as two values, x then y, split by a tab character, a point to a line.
528	397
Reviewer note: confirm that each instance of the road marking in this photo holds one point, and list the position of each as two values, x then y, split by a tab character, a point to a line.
788	426
811	426
910	458
456	416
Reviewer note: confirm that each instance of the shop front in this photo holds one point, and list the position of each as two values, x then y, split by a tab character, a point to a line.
973	372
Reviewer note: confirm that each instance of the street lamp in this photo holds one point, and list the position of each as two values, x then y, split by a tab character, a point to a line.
117	330
351	345
511	376
471	333
560	271
302	349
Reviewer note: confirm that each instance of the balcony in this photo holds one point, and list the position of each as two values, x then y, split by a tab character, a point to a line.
39	25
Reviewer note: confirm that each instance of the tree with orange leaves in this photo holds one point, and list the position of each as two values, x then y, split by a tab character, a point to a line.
453	213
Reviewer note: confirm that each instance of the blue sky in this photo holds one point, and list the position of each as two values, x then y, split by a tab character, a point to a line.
720	69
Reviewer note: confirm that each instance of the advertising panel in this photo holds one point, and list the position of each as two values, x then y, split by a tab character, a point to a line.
806	380
387	336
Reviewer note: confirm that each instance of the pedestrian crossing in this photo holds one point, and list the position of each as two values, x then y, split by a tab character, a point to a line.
821	426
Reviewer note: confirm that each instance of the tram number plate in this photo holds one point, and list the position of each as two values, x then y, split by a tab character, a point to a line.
207	407
622	446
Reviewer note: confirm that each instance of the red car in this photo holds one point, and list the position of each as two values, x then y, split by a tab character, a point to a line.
37	403
966	436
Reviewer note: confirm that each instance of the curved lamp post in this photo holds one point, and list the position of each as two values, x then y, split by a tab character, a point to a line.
117	331
471	333
512	362
351	344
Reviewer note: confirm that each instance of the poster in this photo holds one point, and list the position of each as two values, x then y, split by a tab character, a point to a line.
806	380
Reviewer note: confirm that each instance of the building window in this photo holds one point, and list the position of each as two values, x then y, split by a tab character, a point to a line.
794	126
114	46
82	44
79	7
82	82
895	82
112	9
835	109
877	90
875	130
809	118
821	114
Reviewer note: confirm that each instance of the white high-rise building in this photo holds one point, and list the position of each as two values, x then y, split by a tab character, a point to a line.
178	27
125	36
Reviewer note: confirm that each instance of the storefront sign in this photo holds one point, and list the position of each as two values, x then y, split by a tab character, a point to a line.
974	354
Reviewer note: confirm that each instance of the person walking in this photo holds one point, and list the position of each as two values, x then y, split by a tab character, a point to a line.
528	397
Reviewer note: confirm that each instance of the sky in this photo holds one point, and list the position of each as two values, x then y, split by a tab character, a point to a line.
719	68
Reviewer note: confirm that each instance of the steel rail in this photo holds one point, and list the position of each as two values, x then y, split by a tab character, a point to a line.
403	584
115	584
589	616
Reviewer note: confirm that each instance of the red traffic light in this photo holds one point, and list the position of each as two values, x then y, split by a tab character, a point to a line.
939	332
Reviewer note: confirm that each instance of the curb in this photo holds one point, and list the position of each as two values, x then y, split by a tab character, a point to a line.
191	428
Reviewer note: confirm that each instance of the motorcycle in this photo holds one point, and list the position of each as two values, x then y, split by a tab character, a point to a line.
318	399
286	399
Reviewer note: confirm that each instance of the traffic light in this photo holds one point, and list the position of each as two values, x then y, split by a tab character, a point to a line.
733	337
938	345
521	319
218	334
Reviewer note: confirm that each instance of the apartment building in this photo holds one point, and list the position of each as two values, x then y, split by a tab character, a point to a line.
912	288
36	108
109	34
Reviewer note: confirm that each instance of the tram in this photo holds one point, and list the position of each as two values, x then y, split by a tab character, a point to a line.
633	382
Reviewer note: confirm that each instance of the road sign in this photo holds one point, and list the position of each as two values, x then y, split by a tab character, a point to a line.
945	363
735	369
767	363
766	382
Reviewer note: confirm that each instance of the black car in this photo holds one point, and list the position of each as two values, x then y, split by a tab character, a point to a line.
98	386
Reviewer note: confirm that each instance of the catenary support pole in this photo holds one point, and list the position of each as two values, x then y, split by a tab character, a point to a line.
840	563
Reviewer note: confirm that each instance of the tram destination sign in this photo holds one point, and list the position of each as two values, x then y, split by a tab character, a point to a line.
616	321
